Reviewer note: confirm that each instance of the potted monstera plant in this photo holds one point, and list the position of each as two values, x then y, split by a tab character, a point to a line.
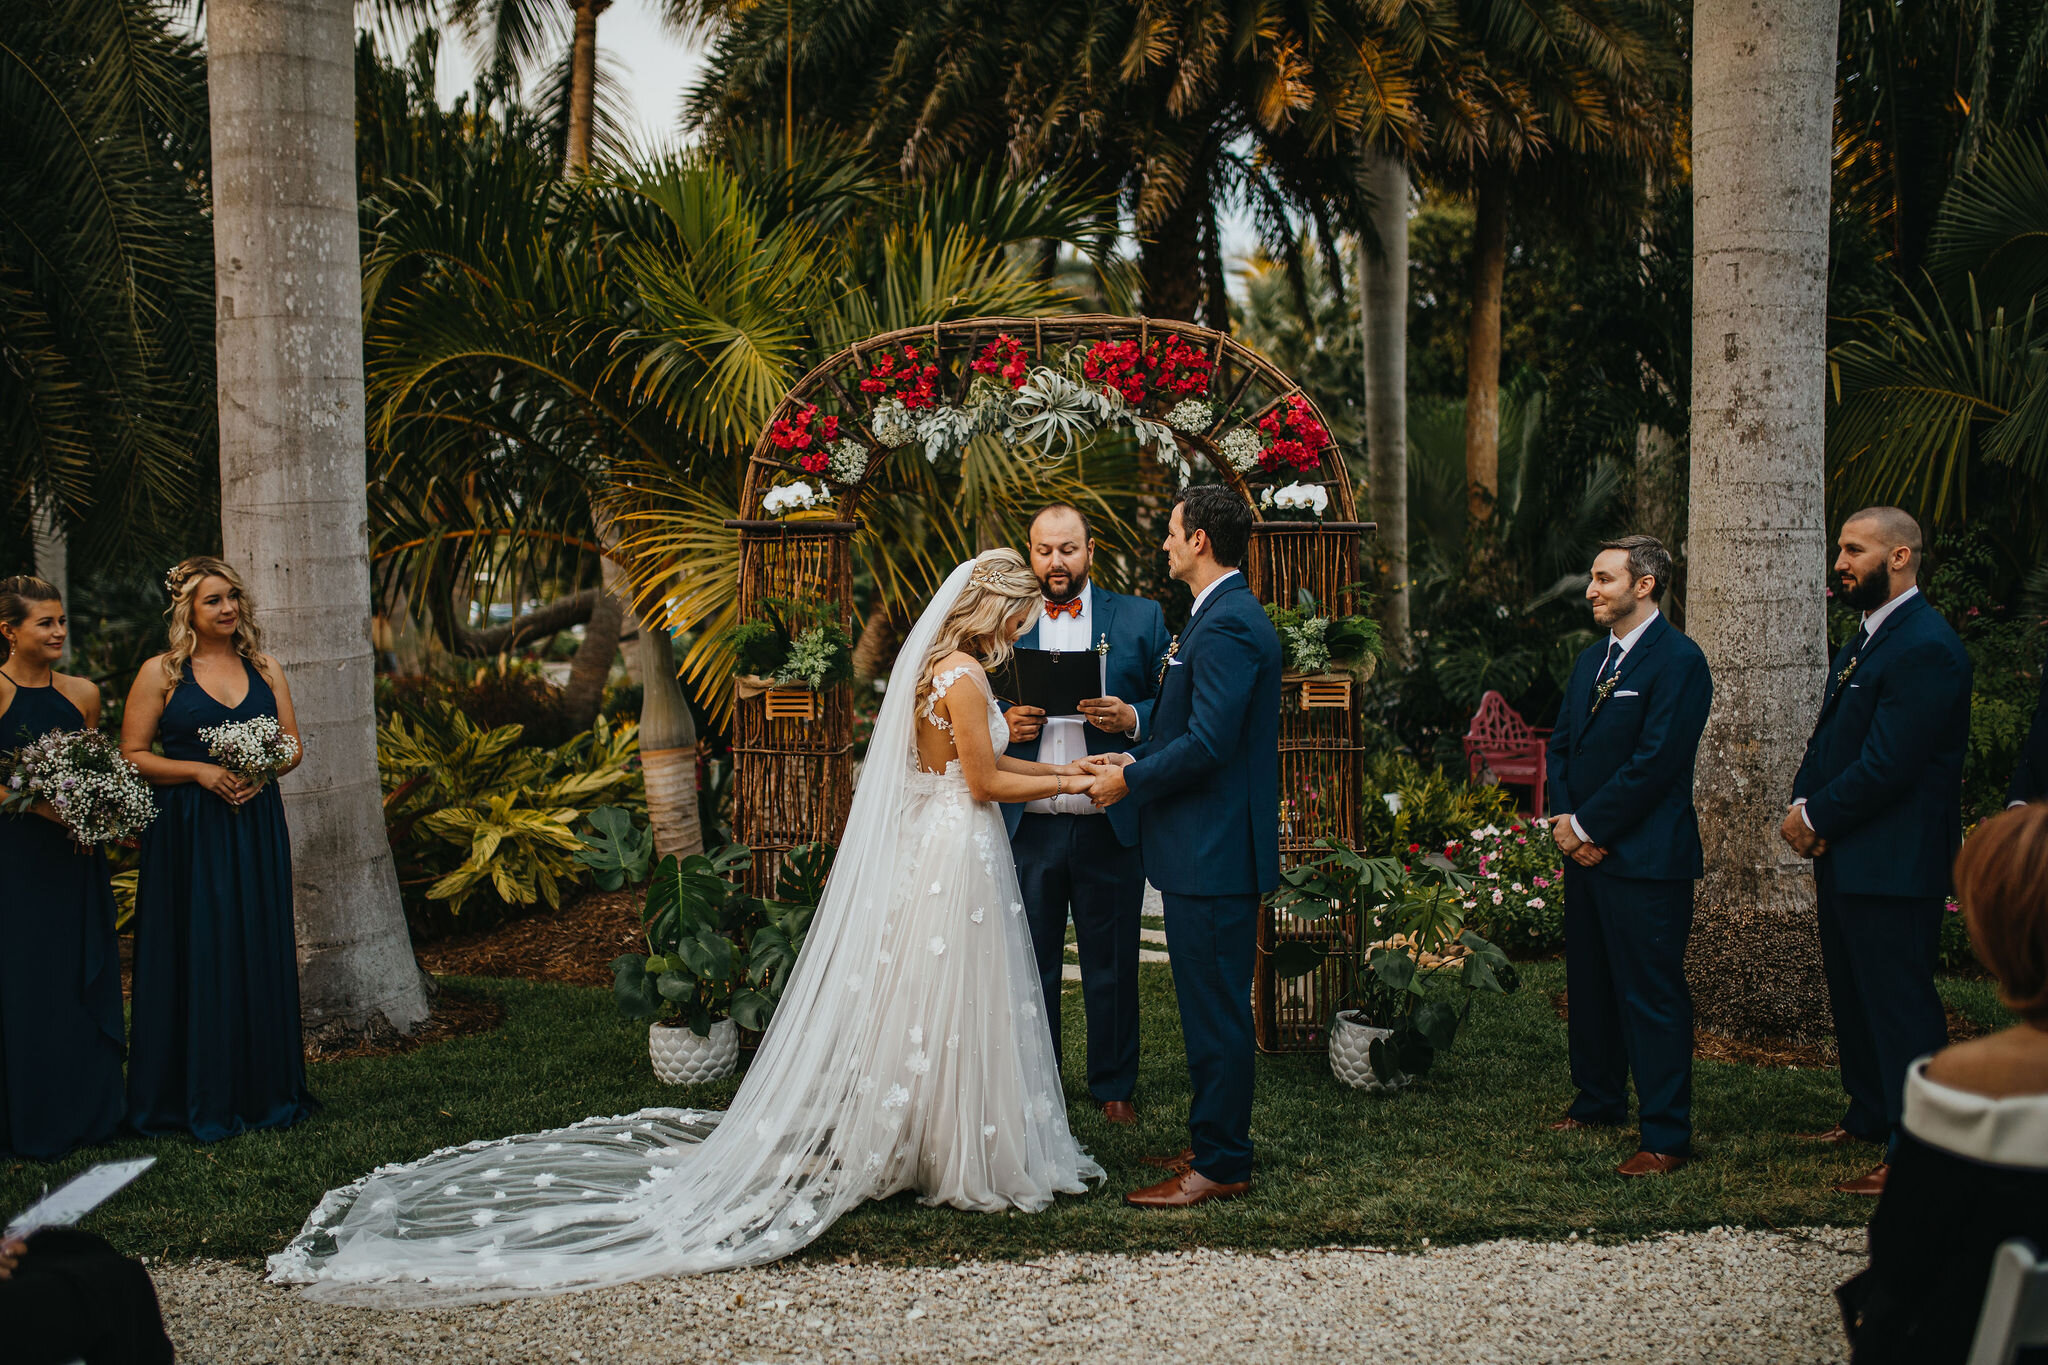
1419	968
717	959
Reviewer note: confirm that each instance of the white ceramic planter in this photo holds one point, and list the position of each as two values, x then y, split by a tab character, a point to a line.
680	1057
1351	1040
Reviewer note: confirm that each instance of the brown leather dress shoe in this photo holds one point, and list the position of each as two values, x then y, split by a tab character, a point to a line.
1119	1111
1568	1124
1651	1163
1871	1183
1833	1137
1183	1191
1179	1161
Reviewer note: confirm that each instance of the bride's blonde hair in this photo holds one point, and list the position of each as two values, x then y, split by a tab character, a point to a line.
183	582
1001	579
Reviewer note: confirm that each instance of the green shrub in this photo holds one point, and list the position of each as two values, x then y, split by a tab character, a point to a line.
475	817
1517	892
1429	807
495	693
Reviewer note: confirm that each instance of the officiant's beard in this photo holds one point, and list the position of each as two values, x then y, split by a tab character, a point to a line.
1069	588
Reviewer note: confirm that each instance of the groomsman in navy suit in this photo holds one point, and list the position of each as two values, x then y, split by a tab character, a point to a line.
1878	806
1072	855
1206	783
1621	767
2030	778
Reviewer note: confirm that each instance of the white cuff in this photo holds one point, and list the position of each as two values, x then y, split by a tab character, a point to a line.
1578	829
1804	818
2011	804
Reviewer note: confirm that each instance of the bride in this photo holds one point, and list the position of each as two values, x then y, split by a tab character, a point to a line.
907	1052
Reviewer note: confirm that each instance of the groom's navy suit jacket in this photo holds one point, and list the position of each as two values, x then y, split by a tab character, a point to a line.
1883	773
1626	770
1136	631
1207	779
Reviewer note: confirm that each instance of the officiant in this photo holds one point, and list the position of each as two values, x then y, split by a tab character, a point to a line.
1074	859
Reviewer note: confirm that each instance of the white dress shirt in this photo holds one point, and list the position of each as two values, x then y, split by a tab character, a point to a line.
1627	643
1065	738
1871	621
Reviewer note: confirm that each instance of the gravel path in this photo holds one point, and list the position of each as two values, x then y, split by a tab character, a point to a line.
1719	1296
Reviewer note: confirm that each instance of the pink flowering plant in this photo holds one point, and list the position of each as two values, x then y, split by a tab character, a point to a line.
1516	895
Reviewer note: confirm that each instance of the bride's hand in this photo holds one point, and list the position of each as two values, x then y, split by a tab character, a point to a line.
1074	770
1100	761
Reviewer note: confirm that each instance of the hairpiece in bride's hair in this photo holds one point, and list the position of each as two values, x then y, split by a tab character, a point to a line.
993	573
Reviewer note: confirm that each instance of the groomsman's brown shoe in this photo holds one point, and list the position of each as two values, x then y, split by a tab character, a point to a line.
1833	1137
1651	1163
1178	1162
1870	1183
1184	1191
1119	1111
1568	1124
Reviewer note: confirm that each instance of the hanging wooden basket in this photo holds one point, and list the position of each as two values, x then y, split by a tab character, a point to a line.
790	703
1321	691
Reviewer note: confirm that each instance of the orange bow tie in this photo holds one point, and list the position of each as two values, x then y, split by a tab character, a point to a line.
1054	610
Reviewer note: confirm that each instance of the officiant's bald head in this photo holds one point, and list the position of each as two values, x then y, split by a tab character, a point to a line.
1061	546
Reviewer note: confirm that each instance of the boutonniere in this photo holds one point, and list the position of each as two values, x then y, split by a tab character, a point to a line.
1102	647
1172	648
1603	692
1848	671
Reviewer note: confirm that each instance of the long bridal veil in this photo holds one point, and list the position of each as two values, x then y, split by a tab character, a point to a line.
818	1125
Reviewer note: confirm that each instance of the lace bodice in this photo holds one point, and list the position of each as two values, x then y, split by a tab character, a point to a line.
998	724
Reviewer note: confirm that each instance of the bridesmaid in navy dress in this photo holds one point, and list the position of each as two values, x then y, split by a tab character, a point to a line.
60	967
215	1047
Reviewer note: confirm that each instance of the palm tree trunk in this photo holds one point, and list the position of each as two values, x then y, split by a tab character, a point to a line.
582	85
1170	261
668	748
590	667
1482	347
1763	91
281	83
1383	321
53	554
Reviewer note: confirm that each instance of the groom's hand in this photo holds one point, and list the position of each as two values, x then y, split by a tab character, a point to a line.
1110	714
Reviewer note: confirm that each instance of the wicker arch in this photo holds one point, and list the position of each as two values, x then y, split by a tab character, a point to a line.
793	764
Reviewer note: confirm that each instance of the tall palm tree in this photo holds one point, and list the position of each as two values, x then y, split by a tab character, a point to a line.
1175	106
106	300
292	473
1383	329
1763	86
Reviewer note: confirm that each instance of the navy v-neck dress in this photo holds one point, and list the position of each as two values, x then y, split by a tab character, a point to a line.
214	1045
60	969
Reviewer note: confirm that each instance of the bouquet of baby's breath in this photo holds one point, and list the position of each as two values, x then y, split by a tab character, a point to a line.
96	793
257	749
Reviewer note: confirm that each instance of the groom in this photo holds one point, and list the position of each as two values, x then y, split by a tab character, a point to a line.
1206	783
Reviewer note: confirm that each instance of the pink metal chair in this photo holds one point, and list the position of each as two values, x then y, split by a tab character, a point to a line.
1504	745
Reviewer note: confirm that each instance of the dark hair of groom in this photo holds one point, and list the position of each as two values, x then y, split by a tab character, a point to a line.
1647	558
1223	516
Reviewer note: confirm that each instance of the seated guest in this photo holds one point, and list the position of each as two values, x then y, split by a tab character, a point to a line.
66	1296
1971	1168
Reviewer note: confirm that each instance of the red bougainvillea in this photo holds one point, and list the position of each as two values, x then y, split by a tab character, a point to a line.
1294	439
1004	356
907	377
1169	368
807	437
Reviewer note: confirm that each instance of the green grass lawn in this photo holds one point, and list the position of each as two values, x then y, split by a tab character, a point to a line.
1463	1156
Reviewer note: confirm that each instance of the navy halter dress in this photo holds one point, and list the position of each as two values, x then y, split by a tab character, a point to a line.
60	969
214	1046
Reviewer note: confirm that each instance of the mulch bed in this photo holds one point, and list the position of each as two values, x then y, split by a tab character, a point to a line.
457	1014
574	945
1716	1047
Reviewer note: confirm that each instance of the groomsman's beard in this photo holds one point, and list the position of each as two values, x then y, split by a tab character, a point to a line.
1071	589
1869	593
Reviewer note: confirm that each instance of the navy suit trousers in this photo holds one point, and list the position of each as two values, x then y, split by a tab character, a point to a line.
1076	862
1212	941
1631	1013
1879	954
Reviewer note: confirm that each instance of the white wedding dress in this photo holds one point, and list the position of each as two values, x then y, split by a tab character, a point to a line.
908	1053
